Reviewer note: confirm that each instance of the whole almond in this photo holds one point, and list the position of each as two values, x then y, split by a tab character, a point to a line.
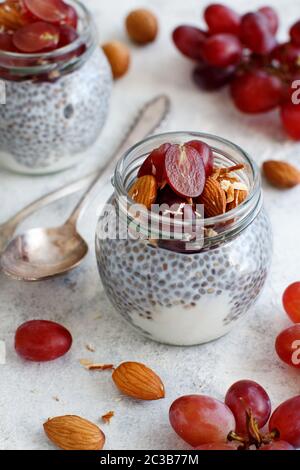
144	190
138	381
142	26
118	56
71	432
281	174
213	198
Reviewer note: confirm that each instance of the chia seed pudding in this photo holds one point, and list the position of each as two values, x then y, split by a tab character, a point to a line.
190	295
56	103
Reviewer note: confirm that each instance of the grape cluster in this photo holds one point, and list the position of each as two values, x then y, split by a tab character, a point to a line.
237	423
287	343
242	51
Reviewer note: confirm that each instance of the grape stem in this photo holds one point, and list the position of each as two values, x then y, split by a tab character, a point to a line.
254	435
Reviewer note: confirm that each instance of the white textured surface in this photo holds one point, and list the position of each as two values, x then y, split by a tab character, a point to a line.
78	301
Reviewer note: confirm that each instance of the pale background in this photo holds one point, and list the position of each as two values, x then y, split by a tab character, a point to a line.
77	300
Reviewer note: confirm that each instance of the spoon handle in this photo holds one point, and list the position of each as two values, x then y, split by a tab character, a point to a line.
148	119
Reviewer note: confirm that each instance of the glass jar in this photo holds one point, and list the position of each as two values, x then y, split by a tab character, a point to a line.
56	102
187	292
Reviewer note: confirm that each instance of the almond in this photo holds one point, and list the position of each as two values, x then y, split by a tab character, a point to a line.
142	26
118	56
138	381
74	433
213	198
144	190
239	197
281	174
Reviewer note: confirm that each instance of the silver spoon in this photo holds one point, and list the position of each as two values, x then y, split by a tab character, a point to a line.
42	253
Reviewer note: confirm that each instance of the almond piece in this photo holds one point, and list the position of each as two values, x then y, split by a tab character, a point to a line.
144	190
239	197
71	432
281	174
213	198
138	381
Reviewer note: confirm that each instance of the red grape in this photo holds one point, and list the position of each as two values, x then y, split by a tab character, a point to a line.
71	18
256	34
189	41
222	50
290	116
244	396
287	54
271	17
199	419
6	43
256	91
287	346
277	445
174	202
41	340
212	78
185	170
222	19
291	301
52	11
205	153
286	420
217	446
36	37
295	33
155	164
67	35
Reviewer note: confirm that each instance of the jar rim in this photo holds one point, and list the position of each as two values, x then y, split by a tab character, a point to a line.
88	30
243	214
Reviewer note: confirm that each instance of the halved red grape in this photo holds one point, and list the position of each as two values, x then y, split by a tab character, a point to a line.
277	445
212	78
199	419
67	35
222	19
6	42
290	116
217	446
189	41
286	420
247	395
155	164
256	34
222	50
41	340
291	301
71	17
295	33
256	91
205	153
271	17
52	11
36	37
287	346
185	170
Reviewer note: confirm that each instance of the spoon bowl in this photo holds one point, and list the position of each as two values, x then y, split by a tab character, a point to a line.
41	253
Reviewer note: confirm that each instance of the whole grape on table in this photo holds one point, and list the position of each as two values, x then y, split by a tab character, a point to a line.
243	51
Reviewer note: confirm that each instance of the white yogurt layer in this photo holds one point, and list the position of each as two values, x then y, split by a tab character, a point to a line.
186	327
